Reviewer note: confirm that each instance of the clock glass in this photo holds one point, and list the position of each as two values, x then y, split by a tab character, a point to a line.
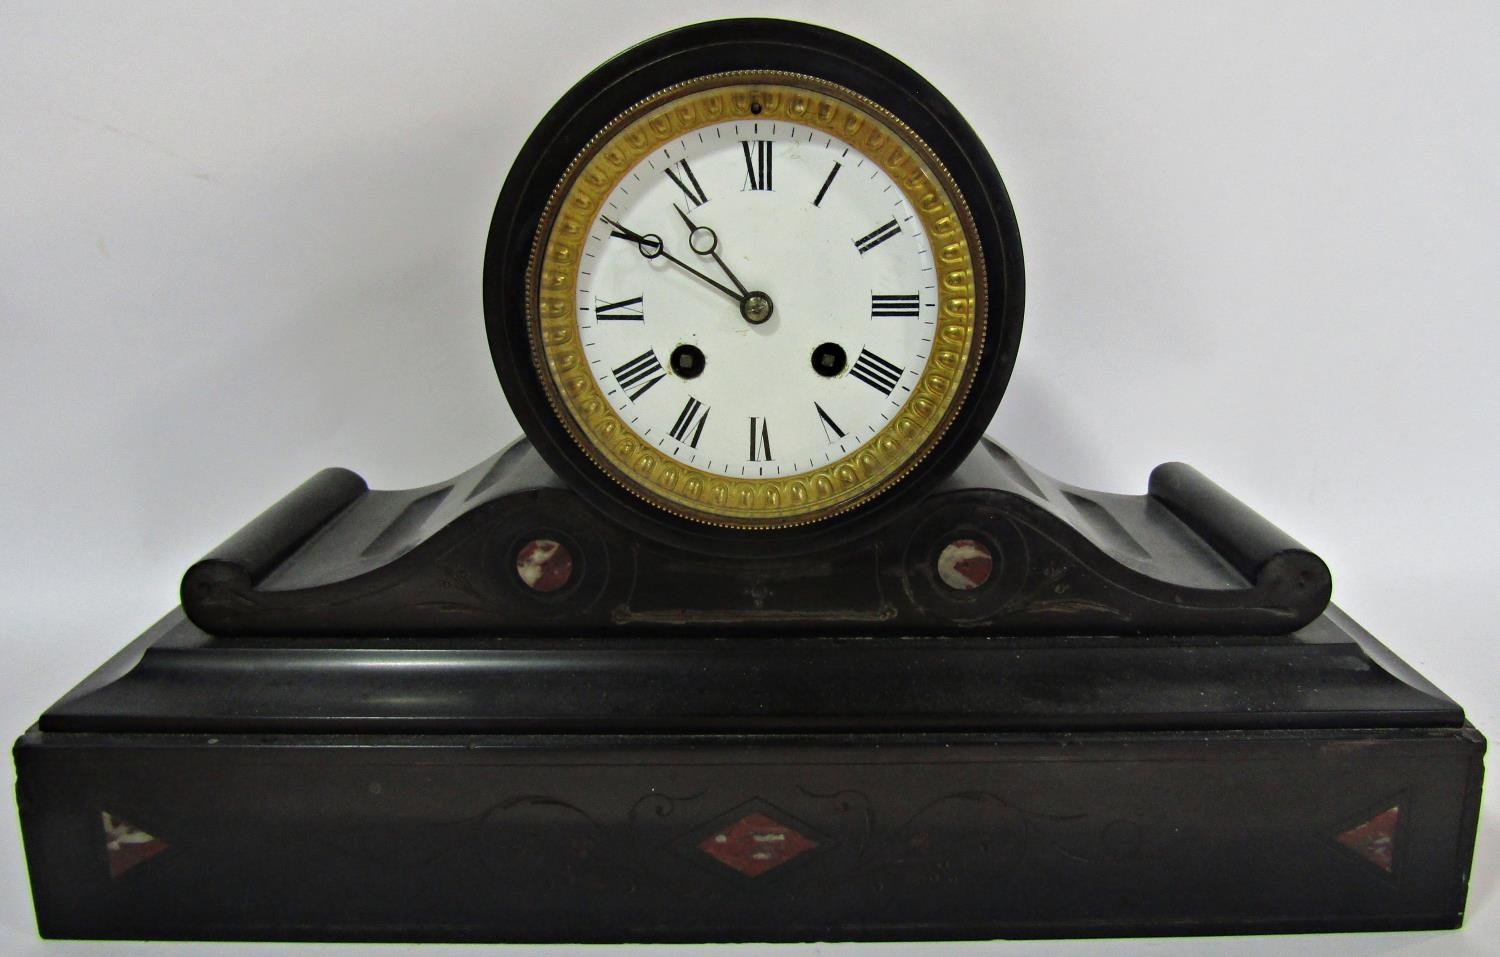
756	300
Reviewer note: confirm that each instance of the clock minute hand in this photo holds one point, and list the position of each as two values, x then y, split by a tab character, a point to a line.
651	246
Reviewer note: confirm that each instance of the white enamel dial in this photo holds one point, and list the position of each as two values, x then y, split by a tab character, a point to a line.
795	215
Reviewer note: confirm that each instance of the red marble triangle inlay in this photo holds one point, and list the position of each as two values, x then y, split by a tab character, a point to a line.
127	845
1375	839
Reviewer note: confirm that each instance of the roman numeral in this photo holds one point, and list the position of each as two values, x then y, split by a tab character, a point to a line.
757	164
898	307
874	238
827	183
760	440
639	371
632	309
828	424
876	372
694	411
682	174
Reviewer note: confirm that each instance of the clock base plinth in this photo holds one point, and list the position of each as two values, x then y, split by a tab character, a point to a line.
689	789
481	712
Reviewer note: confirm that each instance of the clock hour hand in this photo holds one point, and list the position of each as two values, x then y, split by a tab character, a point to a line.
651	247
755	306
705	242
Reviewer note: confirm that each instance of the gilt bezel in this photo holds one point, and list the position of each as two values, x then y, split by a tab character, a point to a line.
769	502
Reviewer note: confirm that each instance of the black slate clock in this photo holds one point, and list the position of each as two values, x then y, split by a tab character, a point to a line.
754	636
753	286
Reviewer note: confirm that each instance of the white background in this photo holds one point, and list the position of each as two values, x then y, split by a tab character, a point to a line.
242	242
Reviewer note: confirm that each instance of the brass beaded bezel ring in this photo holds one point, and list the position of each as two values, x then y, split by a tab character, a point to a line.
755	503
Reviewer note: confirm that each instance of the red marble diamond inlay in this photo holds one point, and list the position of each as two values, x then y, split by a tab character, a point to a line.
1375	839
755	844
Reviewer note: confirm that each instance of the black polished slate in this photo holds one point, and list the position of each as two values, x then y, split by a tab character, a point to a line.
362	724
1330	674
334	558
946	764
602	838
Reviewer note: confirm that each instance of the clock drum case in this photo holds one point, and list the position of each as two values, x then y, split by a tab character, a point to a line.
787	89
575	694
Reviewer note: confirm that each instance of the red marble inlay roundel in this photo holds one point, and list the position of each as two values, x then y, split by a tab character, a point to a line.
544	565
965	564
